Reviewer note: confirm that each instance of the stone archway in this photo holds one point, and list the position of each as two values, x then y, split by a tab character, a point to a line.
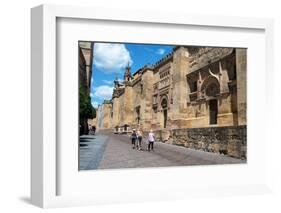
211	90
210	87
126	127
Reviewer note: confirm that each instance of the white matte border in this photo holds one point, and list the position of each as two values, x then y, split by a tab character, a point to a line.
70	31
48	143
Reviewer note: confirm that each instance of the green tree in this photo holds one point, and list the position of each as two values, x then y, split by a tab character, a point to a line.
86	110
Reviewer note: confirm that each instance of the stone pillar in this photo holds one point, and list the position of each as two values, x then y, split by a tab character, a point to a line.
223	78
180	87
147	99
241	74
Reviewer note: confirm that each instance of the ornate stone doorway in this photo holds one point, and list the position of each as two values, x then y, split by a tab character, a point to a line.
164	105
213	110
126	127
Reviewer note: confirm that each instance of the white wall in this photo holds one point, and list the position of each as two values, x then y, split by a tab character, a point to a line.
15	97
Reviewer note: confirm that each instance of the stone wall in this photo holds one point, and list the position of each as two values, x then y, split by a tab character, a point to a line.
103	119
230	140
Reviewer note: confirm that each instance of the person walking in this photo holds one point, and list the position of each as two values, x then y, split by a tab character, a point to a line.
151	140
139	136
134	138
94	130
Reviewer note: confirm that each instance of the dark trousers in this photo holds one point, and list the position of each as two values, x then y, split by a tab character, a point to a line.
134	142
139	142
150	145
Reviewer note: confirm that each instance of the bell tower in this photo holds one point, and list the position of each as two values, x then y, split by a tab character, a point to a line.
127	74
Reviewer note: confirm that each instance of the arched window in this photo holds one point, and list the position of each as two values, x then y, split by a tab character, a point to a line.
212	90
210	87
164	103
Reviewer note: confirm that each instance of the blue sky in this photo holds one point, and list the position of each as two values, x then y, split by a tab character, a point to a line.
110	60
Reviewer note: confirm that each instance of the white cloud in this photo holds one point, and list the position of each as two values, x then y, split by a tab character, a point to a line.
111	58
160	51
103	92
107	82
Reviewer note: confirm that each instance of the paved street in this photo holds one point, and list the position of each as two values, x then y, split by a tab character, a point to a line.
110	151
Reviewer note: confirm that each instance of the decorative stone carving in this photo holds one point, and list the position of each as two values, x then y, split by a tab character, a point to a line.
207	55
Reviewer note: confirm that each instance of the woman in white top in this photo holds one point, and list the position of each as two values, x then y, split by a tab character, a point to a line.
139	135
151	140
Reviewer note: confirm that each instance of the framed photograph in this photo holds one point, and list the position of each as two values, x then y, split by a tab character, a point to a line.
132	106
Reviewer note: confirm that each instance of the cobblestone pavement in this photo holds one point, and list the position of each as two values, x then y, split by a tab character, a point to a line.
110	151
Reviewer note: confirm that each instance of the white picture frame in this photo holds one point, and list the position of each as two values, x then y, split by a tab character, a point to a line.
44	153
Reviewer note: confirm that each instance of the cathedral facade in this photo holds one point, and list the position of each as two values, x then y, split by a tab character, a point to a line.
193	97
189	88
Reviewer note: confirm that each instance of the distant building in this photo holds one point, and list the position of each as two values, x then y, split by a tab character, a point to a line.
85	74
85	64
104	115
